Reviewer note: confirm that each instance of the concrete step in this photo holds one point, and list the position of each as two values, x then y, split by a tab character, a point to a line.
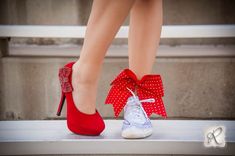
169	137
198	80
201	88
71	50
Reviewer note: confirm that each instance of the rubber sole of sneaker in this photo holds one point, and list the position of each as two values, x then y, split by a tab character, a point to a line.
136	133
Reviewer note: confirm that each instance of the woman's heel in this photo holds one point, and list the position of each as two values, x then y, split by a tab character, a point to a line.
61	104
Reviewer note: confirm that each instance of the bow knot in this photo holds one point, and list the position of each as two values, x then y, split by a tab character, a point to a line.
64	77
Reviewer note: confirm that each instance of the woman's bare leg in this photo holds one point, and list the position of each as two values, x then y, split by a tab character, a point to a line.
144	35
104	22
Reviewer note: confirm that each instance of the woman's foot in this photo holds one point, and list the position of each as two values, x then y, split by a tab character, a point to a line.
84	89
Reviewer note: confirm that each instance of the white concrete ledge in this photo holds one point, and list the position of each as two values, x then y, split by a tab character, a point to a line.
168	31
121	51
169	137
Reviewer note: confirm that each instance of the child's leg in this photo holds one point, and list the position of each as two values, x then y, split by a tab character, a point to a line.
144	35
105	19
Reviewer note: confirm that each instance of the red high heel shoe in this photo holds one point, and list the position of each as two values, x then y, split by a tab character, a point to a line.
77	121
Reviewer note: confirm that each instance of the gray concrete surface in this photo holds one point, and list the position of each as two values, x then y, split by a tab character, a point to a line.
169	137
118	155
76	12
4	47
194	87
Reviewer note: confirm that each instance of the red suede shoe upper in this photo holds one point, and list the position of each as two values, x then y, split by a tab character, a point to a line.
150	86
77	121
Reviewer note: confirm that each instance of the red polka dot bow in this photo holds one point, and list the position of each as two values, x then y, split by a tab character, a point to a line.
150	86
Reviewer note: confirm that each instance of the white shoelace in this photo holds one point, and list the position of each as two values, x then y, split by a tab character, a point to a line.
136	100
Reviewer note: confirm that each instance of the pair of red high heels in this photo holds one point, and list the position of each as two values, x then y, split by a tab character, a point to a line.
150	86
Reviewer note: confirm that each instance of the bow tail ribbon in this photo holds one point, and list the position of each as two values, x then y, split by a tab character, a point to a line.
117	96
157	106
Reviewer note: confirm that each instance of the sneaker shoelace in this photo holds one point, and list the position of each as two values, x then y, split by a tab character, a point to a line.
136	104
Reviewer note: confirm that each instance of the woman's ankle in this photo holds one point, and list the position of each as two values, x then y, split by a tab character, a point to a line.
85	88
86	73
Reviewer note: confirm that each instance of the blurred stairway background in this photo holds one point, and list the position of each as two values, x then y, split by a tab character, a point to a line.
198	75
